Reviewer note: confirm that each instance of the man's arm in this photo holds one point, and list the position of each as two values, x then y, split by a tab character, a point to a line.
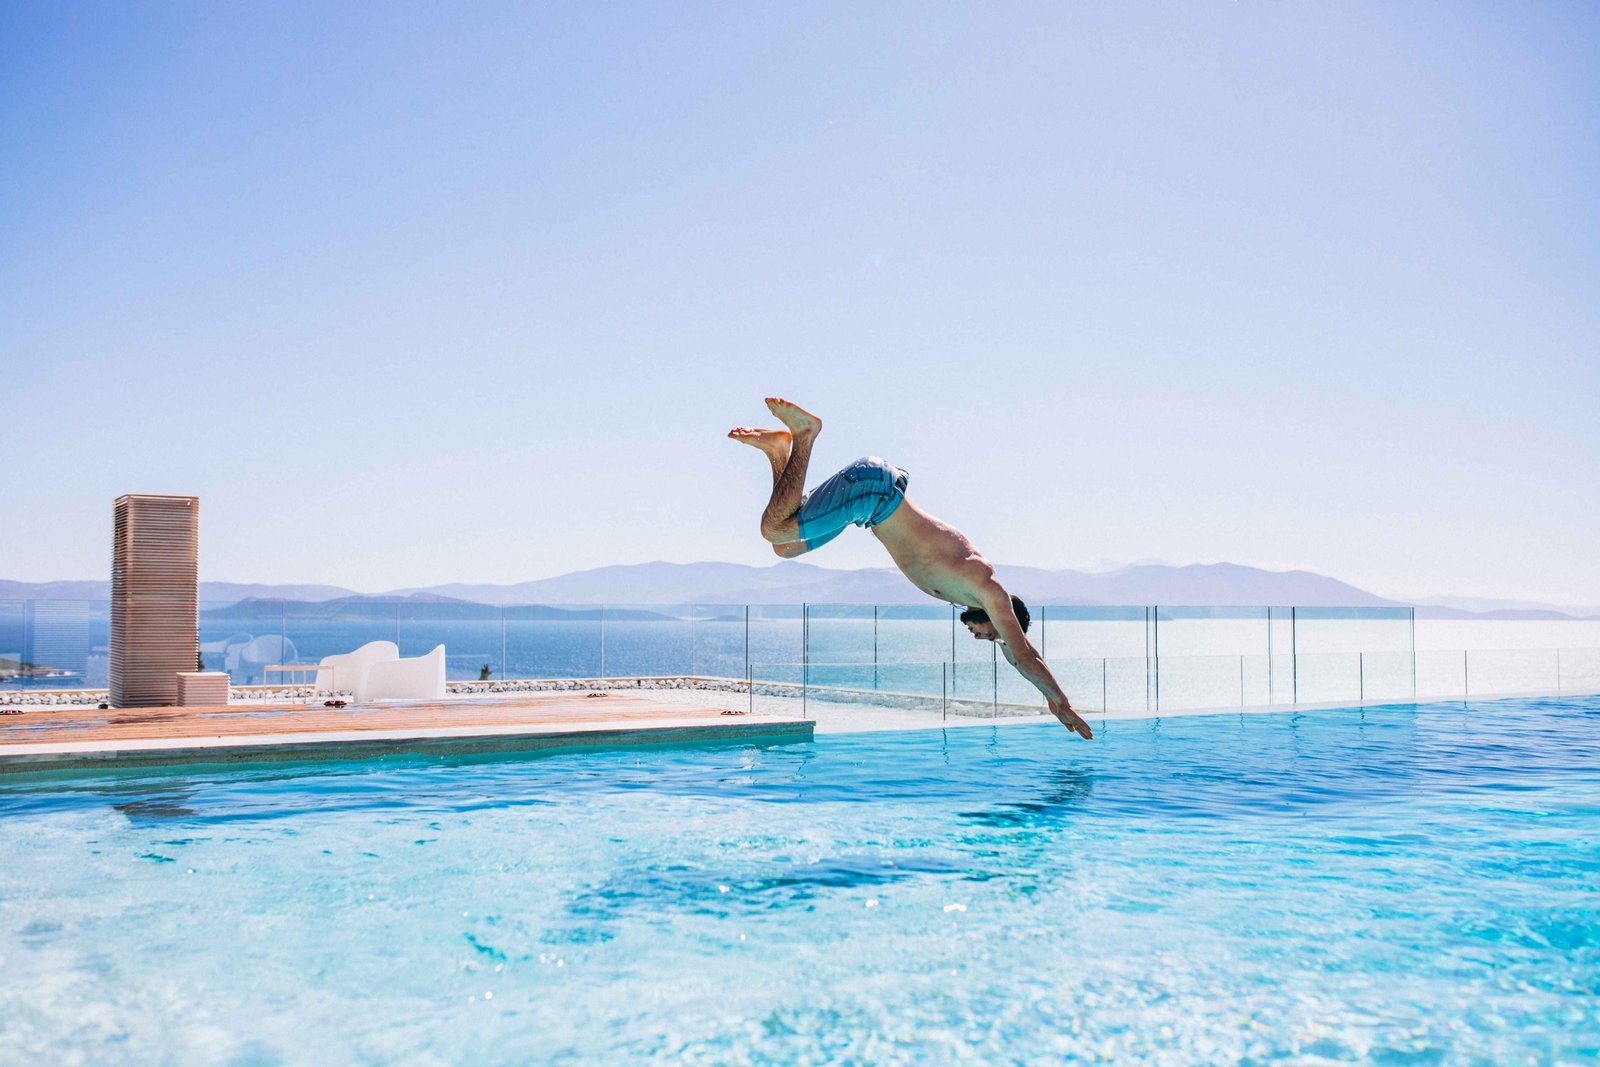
1021	654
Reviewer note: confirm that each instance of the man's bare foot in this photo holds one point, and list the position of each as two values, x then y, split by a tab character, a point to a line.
800	421
772	442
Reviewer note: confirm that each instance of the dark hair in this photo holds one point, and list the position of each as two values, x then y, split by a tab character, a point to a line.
979	615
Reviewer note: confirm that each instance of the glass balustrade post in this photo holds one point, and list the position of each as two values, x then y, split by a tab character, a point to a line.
1294	655
944	691
1146	659
874	647
1155	612
1272	693
1466	680
747	641
952	646
1361	676
502	642
805	660
602	673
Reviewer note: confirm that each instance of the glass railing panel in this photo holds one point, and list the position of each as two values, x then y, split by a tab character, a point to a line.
716	639
974	679
841	635
1282	678
923	681
1578	670
1385	676
472	636
840	676
909	679
1073	632
1375	629
1014	689
97	672
1328	677
244	638
777	636
648	641
916	633
542	641
314	630
1492	671
777	689
1441	674
14	672
1255	681
1210	631
1190	682
1128	684
1082	678
56	643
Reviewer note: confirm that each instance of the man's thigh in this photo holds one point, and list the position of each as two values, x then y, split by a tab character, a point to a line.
828	509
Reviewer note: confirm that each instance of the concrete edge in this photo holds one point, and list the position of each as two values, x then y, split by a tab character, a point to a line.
361	745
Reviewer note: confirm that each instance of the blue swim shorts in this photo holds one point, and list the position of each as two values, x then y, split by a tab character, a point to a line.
863	494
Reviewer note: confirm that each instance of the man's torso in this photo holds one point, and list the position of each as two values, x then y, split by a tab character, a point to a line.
936	557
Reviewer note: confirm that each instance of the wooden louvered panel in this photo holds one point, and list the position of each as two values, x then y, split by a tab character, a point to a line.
202	690
154	597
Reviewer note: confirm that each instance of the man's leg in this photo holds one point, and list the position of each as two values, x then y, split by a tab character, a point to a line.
790	454
780	523
780	462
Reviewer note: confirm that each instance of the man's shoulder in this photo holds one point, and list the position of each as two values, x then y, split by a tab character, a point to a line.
987	587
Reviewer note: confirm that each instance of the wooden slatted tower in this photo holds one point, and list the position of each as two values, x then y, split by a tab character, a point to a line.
155	588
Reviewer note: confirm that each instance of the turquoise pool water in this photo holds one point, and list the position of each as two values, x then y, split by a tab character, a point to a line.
1402	885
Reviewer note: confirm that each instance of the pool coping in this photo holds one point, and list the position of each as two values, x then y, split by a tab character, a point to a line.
368	744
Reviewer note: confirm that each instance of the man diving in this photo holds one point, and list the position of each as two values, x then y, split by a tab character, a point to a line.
935	557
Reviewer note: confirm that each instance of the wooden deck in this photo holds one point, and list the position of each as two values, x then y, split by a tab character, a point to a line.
58	737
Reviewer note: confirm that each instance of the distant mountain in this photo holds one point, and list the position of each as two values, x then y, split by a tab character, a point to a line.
792	582
1220	584
225	592
414	607
418	605
789	582
54	590
1452	607
653	583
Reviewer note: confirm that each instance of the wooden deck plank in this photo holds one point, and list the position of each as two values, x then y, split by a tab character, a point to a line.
78	724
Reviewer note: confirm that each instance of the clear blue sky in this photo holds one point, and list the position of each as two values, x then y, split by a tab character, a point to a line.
413	293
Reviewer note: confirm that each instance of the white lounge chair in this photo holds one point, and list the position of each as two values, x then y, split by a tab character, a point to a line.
248	662
417	678
345	673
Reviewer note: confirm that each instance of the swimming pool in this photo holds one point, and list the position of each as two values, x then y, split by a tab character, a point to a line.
1404	884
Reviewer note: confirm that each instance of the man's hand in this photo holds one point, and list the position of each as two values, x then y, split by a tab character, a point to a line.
1069	718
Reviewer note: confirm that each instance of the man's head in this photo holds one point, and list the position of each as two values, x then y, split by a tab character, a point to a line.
979	625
